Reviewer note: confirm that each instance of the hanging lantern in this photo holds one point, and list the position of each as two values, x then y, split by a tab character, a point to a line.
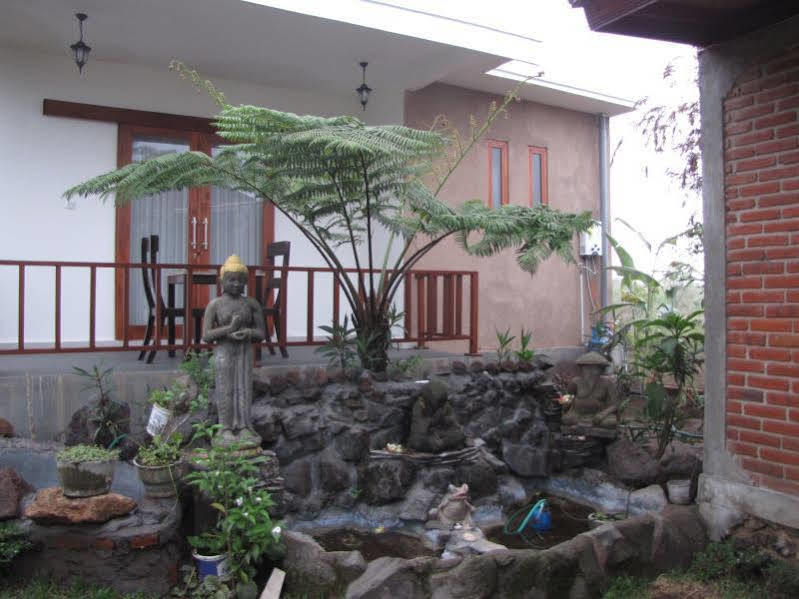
364	90
79	49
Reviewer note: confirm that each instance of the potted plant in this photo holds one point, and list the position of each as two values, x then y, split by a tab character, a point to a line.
157	464
86	470
163	401
243	532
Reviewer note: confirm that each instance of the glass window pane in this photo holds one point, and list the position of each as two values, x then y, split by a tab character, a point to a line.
536	179
496	177
162	214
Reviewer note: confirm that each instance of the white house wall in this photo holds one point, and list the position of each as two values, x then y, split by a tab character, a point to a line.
42	156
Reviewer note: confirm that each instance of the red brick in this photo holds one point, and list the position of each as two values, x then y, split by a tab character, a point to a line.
763	268
745	394
771	324
743	310
754	164
783	63
793	415
781	428
741	102
734	407
777	253
773	120
758	215
735	379
765	411
735	205
776	93
737	324
740	179
788	131
764	382
777	173
736	244
788	103
761	467
781	457
744	422
780	145
744	114
783	311
762	296
792	473
791	184
744	283
736	128
743	449
783	340
761	188
786	158
738	154
747	139
747	229
733	297
144	541
732	433
769	353
748	338
781	281
782	486
730	194
767	240
70	541
744	365
782	225
775	398
759	438
790	443
778	200
104	544
736	351
783	370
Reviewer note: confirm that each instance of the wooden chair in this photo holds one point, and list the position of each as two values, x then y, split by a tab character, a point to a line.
273	296
148	279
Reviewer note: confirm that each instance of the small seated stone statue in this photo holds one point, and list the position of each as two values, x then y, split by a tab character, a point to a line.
233	322
454	508
594	403
434	428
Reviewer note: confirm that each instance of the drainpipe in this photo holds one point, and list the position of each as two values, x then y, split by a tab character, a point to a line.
604	207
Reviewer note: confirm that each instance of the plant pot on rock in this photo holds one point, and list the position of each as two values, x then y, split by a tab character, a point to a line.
86	470
163	401
158	465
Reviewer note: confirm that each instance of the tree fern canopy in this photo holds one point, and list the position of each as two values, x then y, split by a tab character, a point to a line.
336	179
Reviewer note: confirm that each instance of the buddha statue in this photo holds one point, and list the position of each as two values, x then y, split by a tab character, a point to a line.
434	428
594	403
233	322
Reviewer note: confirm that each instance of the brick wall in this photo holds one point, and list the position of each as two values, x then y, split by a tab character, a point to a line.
761	159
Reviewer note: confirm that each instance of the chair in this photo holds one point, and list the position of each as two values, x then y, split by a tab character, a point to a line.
273	297
148	279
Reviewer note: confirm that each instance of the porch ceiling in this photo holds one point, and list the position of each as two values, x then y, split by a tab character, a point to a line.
239	40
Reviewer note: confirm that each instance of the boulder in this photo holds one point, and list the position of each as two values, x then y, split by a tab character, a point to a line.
349	565
93	424
511	492
474	578
297	477
335	473
387	480
525	460
6	430
353	443
651	498
50	506
417	503
307	572
631	464
12	488
391	577
480	477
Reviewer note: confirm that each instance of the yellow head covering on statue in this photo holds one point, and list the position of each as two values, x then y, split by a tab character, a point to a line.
232	264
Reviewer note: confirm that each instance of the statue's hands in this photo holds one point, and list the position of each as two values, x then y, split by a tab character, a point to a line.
235	322
240	335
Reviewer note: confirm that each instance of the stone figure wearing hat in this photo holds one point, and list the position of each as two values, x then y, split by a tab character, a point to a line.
233	322
594	401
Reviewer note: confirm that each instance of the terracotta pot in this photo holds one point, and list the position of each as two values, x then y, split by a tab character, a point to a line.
86	479
158	481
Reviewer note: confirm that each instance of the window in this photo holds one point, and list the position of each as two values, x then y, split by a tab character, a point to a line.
497	173
538	176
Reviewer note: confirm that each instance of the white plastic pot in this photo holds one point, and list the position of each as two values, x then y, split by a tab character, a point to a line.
212	565
679	491
158	419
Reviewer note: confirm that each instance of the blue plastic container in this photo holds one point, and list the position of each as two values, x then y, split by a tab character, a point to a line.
212	565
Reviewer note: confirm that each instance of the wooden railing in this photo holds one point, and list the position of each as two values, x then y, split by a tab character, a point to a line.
437	305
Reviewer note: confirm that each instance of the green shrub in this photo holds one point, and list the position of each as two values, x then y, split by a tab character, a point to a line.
782	579
627	587
87	453
13	541
160	452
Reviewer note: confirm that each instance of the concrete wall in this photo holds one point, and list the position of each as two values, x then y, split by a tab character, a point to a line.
549	301
750	96
43	156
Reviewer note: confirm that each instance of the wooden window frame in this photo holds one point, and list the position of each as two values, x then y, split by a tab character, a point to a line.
503	146
542	152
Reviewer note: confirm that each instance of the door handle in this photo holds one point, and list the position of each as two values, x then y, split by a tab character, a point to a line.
205	233
194	232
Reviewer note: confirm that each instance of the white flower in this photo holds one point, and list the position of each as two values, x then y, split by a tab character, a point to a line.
239	502
257	500
276	531
245	514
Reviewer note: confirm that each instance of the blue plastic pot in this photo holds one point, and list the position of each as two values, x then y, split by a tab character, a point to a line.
212	565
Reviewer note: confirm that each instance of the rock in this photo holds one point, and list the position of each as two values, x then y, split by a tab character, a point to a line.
297	477
387	480
474	578
260	380
335	473
365	382
307	573
631	464
300	421
459	367
183	424
265	421
391	577
476	367
525	460
6	430
52	507
511	492
480	477
12	488
353	443
89	424
434	428
651	498
349	565
417	503
680	461
472	541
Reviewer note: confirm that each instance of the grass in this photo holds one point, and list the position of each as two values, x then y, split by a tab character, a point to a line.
43	589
